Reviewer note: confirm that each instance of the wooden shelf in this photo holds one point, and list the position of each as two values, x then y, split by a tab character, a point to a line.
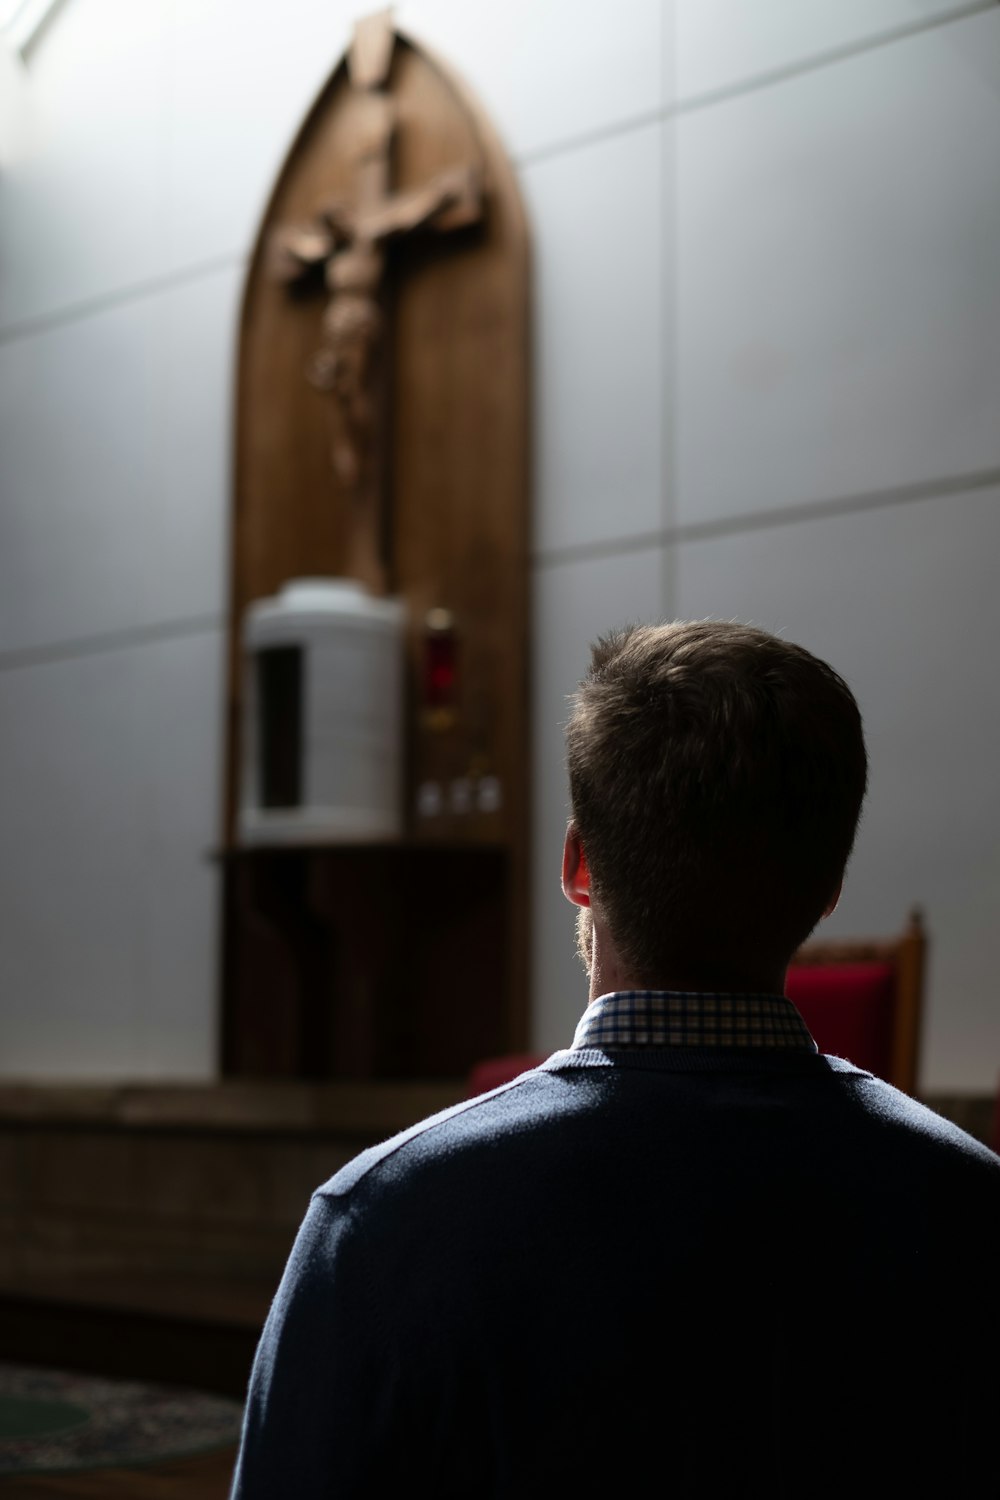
415	845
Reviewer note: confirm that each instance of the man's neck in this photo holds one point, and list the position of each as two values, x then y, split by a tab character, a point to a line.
609	973
729	984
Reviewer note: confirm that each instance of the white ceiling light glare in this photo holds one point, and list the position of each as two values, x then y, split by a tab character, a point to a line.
22	20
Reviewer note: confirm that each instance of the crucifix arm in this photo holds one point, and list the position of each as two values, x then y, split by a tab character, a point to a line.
449	201
296	249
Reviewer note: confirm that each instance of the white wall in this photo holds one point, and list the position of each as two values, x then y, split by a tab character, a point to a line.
768	364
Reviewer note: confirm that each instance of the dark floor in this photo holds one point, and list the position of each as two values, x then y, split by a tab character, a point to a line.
204	1478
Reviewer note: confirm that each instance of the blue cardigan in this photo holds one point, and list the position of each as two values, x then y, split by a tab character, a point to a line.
673	1271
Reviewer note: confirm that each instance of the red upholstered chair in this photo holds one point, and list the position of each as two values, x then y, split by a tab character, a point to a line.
862	1000
494	1071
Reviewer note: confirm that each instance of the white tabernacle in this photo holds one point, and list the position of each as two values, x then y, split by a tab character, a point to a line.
323	707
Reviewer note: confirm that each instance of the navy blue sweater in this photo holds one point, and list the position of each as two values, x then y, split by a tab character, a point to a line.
672	1271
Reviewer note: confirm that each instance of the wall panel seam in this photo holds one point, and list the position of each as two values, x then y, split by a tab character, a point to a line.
941	488
92	307
109	641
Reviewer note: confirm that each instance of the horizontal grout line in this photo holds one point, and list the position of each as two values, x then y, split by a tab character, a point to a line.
828	58
75	312
763	520
109	640
594	137
578	552
841	505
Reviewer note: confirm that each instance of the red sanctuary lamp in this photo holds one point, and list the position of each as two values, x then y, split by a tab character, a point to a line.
455	781
440	670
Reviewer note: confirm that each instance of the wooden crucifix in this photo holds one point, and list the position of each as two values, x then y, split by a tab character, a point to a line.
348	240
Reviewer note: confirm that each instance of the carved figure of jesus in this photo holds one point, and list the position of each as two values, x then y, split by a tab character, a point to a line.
348	239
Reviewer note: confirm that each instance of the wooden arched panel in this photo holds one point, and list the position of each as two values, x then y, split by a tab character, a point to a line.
453	451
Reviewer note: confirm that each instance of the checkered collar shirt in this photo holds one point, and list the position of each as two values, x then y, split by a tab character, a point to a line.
673	1018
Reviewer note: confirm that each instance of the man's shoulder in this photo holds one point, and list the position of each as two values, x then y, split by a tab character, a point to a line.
468	1129
898	1112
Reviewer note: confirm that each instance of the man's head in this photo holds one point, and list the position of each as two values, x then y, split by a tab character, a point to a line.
716	779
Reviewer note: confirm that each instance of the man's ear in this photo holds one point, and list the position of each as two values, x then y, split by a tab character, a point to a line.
832	903
575	872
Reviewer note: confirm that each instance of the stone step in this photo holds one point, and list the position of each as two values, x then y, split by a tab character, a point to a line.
194	1331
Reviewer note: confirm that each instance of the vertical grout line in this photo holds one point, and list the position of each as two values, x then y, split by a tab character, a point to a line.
668	313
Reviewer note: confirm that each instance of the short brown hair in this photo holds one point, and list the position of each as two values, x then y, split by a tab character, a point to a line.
716	778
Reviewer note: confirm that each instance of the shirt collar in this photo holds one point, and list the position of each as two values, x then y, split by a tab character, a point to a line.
678	1018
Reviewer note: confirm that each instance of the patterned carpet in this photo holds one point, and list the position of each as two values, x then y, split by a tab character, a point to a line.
52	1420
